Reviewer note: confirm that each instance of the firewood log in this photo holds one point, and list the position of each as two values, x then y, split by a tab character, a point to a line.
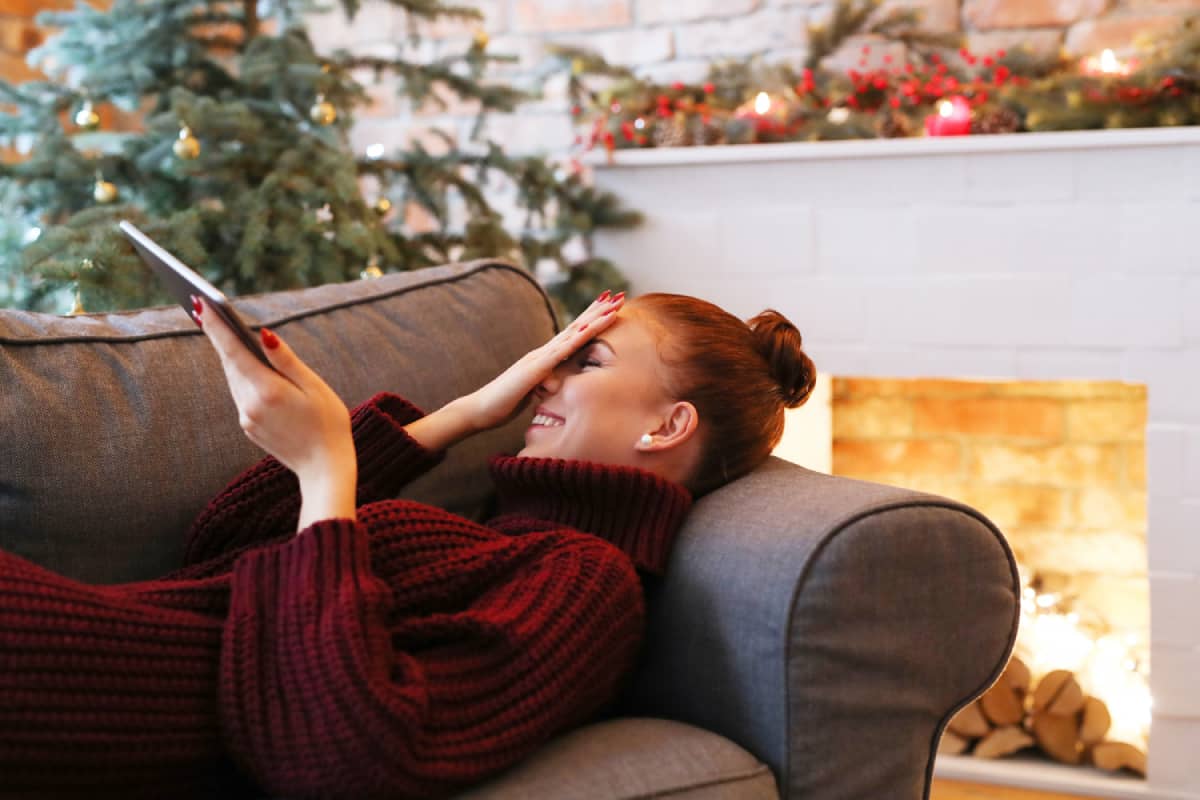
1002	704
1002	742
1058	693
1058	736
1119	755
952	744
1094	721
970	723
1018	675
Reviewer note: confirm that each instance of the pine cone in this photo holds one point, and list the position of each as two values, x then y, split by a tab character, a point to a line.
893	126
998	120
707	133
673	132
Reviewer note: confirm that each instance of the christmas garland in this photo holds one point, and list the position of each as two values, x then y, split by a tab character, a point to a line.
934	87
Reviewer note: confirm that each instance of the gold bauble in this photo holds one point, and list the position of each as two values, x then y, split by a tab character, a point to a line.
481	39
77	308
1074	99
187	146
87	118
577	66
105	191
322	112
383	206
372	271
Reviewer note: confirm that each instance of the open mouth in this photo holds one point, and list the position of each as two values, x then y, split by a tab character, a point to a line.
545	419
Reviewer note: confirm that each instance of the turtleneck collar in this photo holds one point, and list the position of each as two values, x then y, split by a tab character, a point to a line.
634	509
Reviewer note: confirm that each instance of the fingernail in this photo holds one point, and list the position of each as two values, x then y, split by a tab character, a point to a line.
603	296
583	327
269	340
196	319
618	296
612	310
197	305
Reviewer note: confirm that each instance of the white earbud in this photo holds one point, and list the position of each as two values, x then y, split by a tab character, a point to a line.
646	440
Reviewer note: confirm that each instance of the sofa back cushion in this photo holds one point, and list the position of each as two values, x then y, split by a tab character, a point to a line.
117	428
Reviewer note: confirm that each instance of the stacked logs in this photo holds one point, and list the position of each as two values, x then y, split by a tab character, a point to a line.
1056	718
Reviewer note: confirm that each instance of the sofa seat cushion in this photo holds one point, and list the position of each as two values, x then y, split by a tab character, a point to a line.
622	759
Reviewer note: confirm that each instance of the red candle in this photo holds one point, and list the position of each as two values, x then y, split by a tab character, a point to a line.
953	118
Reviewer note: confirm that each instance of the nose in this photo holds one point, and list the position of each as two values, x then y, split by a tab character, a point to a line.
552	382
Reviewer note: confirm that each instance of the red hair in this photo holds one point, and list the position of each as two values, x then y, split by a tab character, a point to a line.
739	375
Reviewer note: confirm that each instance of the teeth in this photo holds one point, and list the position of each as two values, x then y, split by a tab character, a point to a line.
542	419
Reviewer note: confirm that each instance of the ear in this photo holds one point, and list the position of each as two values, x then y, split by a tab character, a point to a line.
678	426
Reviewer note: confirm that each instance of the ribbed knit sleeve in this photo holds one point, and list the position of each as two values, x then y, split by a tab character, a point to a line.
107	690
361	663
263	503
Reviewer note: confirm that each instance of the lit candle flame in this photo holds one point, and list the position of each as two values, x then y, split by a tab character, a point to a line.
762	103
1109	64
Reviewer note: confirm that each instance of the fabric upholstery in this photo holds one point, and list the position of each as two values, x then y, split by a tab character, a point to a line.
829	626
623	759
118	427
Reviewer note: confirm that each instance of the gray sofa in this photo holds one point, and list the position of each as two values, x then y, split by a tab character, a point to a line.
811	639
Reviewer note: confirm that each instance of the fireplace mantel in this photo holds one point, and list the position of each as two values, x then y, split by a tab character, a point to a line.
1043	256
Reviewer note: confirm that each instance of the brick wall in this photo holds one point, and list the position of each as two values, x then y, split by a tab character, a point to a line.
19	34
1059	466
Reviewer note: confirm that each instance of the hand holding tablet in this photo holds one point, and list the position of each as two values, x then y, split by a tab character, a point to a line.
183	282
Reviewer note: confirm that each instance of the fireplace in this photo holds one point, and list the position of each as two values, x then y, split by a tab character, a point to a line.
1031	258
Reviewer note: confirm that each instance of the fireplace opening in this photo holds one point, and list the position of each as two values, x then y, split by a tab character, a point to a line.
1060	468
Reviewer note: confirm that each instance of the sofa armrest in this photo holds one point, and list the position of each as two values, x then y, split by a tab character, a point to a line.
830	626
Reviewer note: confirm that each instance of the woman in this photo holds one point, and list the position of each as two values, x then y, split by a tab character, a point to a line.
337	643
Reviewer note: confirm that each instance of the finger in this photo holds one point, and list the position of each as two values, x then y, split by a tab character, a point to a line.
285	360
239	363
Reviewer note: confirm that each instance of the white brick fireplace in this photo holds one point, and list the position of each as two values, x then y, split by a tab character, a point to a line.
1032	256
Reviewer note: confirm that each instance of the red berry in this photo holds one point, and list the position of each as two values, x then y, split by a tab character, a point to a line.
894	101
866	49
987	61
852	101
627	131
709	88
1001	53
576	110
887	59
881	83
677	86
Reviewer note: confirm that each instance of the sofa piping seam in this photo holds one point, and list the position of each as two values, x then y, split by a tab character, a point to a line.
753	772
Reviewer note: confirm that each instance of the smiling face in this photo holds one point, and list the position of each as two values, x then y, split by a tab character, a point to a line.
600	401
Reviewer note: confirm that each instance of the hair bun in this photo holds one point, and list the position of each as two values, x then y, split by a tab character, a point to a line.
779	342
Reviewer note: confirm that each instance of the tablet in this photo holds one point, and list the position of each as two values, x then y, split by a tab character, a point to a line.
183	282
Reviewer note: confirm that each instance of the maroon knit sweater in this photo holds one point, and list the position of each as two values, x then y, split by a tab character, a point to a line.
410	653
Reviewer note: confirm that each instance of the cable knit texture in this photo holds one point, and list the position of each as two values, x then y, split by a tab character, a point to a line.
408	654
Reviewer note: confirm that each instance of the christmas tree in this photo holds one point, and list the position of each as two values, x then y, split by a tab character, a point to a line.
234	155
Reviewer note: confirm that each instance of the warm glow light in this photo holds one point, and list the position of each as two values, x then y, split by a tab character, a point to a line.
946	108
1105	667
762	103
375	151
1108	62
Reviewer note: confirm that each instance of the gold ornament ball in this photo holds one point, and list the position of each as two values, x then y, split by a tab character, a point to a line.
383	206
87	118
1074	99
322	112
187	146
481	40
105	191
371	272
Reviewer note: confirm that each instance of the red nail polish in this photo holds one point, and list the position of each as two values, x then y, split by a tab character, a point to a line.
583	327
618	296
197	305
612	310
603	296
196	319
269	339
